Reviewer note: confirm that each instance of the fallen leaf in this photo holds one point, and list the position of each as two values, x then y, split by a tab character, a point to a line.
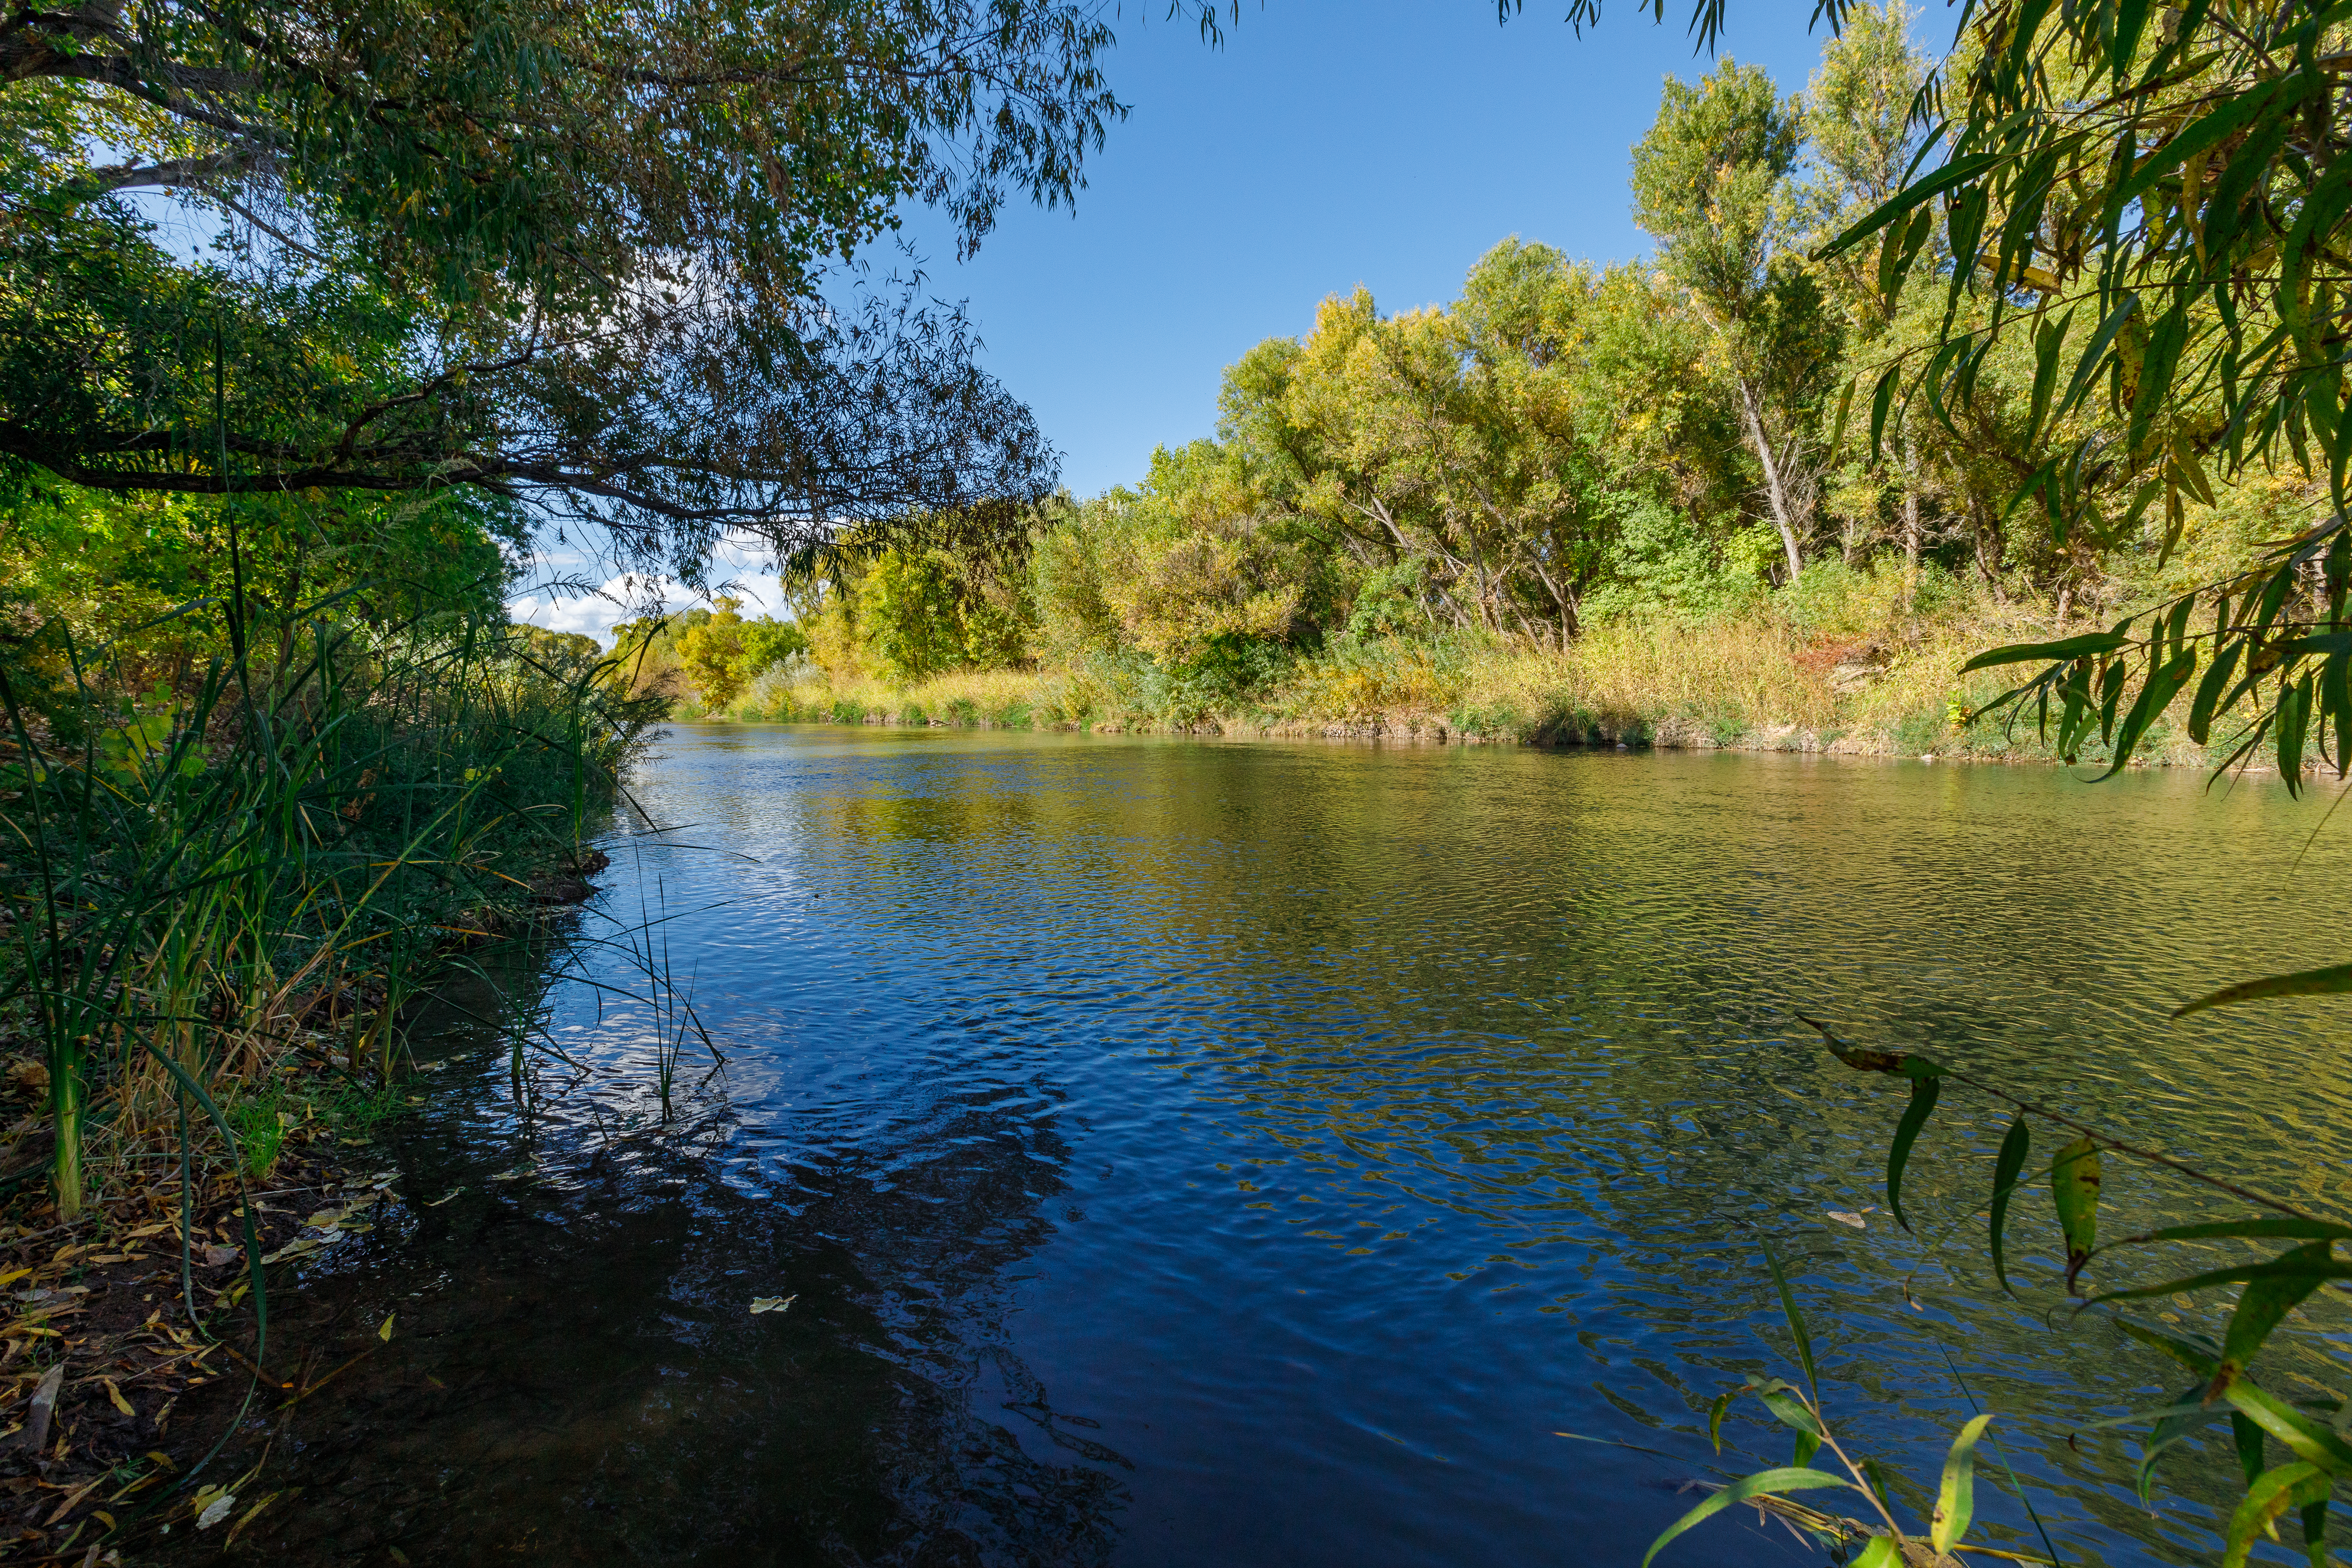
300	1248
267	1498
385	1333
1854	1220
115	1394
215	1511
452	1192
772	1303
67	1507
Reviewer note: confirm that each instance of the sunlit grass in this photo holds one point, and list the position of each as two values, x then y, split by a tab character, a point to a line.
1858	662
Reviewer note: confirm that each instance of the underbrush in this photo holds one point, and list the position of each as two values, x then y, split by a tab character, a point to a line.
221	889
1850	660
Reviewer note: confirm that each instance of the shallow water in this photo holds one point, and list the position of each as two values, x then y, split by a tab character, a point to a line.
1195	1153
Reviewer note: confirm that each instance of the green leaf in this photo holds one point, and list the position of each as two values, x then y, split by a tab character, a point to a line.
2202	135
1880	1553
2051	652
1956	1501
1881	402
2155	369
2310	1441
1764	1483
2265	1302
1714	1414
1910	196
2235	1274
2248	1436
1837	430
2195	1351
2156	694
1796	1321
2006	1166
2292	1486
1783	1403
2314	1533
2209	691
2294	719
2333	980
2262	1227
2075	1179
1924	1093
2131	20
2048	339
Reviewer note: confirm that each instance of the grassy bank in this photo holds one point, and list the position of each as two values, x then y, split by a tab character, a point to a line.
220	904
1874	679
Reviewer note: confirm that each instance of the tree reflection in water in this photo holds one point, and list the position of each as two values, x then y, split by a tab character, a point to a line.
576	1374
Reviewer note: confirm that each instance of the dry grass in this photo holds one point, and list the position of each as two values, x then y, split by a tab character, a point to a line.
1869	665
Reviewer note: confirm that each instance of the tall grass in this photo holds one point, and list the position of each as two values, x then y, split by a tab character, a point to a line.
202	880
1850	659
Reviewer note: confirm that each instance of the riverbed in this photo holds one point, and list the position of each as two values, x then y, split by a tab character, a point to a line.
1182	1151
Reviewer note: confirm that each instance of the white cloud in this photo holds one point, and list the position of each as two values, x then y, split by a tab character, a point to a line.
561	599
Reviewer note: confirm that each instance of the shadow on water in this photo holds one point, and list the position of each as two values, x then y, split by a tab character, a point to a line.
574	1374
1339	1129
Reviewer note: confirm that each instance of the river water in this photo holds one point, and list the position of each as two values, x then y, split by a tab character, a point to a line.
1195	1153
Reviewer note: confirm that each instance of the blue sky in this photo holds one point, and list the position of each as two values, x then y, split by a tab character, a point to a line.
1327	143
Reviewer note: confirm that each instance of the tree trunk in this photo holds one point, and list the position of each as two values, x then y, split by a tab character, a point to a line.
1910	525
1773	490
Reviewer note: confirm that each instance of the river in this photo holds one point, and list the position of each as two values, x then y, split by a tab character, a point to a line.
1204	1152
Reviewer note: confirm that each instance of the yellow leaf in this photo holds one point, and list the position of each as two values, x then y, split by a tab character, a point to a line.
385	1333
115	1394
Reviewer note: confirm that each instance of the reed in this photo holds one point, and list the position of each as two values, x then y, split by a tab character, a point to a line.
210	884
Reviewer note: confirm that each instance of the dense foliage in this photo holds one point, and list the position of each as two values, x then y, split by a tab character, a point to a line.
596	262
1694	440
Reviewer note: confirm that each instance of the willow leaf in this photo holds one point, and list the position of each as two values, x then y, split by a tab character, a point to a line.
2006	1168
2262	1227
1924	1093
2274	1493
2265	1302
1956	1501
2311	1442
1764	1483
2333	980
2074	1180
1796	1321
2054	652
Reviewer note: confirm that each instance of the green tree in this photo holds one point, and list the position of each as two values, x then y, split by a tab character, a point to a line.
711	652
567	257
1708	184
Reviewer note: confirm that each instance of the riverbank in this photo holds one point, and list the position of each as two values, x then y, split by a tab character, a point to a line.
1764	684
112	1321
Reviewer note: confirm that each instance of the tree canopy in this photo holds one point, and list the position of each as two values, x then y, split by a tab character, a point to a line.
598	261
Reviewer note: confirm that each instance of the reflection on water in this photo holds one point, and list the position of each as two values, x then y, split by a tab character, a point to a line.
1187	1152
